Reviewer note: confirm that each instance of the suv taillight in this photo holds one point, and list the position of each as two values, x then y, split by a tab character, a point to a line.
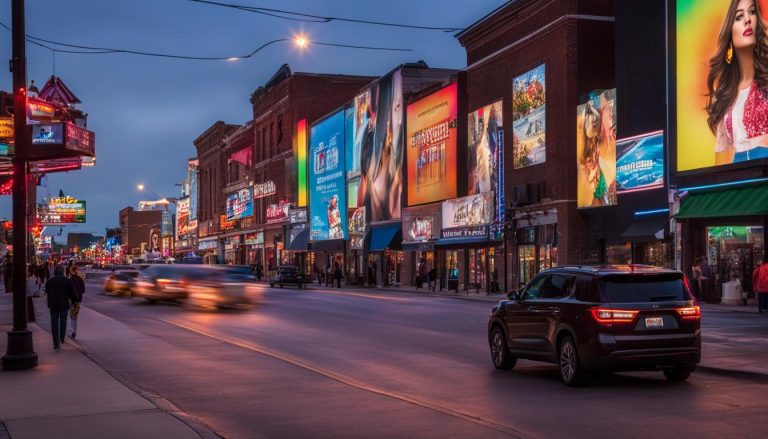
690	313
608	316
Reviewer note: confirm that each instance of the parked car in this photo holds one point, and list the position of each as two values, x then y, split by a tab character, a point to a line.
121	281
168	281
606	318
288	275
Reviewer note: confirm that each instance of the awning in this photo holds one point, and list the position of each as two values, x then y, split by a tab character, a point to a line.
646	229
725	202
386	237
299	243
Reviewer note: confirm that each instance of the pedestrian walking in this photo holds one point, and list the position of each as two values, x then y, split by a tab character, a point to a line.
707	286
432	277
328	275
696	278
259	272
760	283
60	295
32	288
74	310
337	275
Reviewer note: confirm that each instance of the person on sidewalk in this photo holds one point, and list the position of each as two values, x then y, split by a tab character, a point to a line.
79	284
32	288
337	275
707	285
696	278
432	278
760	284
61	295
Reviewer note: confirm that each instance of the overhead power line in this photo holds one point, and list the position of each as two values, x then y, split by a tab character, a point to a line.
311	18
95	50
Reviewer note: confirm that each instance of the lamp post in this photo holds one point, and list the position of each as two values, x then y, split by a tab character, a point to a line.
20	353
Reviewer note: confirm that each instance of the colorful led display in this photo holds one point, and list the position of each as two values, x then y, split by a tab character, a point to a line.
640	162
431	135
596	150
239	204
529	117
300	152
62	210
327	180
486	145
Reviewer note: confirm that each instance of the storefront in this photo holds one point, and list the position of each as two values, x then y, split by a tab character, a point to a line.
209	249
385	253
421	231
297	240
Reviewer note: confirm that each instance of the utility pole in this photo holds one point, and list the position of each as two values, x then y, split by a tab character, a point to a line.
20	353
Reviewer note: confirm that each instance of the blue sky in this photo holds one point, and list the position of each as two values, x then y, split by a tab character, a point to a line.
147	111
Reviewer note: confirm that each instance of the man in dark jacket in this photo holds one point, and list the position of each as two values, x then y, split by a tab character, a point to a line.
79	284
61	296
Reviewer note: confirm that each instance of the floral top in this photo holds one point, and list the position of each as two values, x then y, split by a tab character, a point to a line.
755	114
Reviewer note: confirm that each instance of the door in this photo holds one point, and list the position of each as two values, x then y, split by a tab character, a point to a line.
521	318
546	309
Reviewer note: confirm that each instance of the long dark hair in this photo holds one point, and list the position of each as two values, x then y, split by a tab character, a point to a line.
723	78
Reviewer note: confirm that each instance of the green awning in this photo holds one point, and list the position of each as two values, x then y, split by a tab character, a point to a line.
725	202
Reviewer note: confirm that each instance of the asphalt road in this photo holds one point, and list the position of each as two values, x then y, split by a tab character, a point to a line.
329	363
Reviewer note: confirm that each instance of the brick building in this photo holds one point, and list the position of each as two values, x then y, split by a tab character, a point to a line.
574	42
212	177
138	227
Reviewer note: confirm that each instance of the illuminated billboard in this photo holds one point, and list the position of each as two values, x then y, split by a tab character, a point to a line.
182	217
718	120
596	150
300	154
640	162
381	150
48	134
431	136
486	144
62	210
327	180
239	204
468	217
529	117
192	166
421	223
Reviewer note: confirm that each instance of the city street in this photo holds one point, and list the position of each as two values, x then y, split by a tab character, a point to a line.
329	363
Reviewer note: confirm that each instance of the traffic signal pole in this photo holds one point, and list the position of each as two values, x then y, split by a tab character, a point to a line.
20	353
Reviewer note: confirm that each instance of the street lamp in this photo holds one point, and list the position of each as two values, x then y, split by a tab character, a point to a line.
140	187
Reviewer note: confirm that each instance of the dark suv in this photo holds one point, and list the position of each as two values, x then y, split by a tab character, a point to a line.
605	318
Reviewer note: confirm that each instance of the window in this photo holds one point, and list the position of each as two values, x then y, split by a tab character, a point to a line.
631	288
533	291
558	287
587	289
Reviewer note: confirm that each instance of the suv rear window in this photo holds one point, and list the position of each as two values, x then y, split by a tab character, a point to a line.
643	288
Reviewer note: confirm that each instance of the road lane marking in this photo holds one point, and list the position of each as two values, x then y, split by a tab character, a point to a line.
349	381
368	296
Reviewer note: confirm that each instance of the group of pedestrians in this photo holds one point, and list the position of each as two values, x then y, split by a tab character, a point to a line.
702	283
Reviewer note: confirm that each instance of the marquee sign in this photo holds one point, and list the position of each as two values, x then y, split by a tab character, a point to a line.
261	190
62	210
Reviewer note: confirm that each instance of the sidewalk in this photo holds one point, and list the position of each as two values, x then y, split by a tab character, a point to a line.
69	396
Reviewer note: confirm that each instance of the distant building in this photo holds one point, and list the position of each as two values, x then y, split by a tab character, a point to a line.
82	240
141	230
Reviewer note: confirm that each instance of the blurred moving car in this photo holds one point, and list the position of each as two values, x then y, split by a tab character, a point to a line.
121	282
168	281
224	288
288	275
605	318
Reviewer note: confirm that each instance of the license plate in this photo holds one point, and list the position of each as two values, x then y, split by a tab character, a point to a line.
654	322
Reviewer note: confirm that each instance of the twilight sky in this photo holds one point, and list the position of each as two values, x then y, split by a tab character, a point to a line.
147	111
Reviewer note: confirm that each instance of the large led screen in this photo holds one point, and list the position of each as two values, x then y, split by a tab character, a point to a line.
62	210
327	178
596	150
182	217
722	118
381	150
431	155
239	204
529	116
640	162
192	166
485	144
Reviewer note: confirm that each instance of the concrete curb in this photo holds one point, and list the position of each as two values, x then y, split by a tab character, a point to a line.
163	404
738	374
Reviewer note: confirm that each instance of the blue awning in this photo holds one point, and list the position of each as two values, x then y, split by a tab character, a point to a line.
385	237
299	243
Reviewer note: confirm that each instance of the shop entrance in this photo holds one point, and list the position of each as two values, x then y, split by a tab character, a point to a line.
451	274
732	252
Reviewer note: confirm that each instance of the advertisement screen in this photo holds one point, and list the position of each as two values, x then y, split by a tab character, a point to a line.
640	162
182	217
485	148
327	178
361	120
529	116
193	190
721	123
431	153
381	150
278	213
48	134
468	217
352	188
422	223
596	150
62	210
240	204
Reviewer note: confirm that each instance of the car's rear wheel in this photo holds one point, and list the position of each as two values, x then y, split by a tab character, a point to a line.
677	374
571	371
500	355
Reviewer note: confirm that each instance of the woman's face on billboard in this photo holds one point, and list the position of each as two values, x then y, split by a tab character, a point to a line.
743	30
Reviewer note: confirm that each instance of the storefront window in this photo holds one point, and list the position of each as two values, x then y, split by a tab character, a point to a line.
526	263
618	254
659	254
733	252
452	269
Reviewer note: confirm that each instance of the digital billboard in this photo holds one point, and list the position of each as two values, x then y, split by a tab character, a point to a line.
381	150
596	150
361	120
529	117
327	180
278	213
192	166
719	121
486	145
468	217
239	204
182	217
48	134
300	155
62	210
422	223
640	162
431	136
